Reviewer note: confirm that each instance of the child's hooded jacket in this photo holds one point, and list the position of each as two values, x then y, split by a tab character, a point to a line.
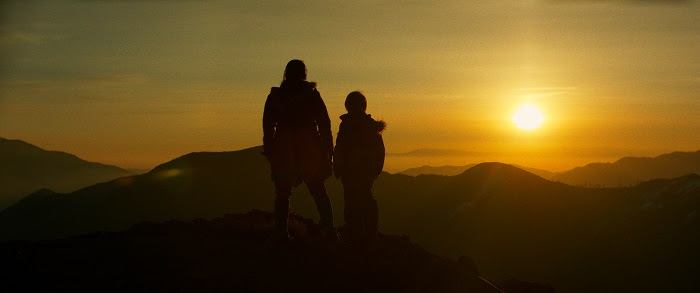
359	150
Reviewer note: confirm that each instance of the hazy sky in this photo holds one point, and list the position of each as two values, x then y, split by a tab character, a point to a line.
137	83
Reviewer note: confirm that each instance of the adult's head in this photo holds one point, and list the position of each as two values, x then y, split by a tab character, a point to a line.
295	71
356	102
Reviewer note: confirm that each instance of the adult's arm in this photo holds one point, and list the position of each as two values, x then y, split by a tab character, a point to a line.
379	154
269	124
324	124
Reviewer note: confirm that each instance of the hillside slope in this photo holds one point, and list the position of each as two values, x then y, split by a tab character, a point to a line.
192	186
449	170
233	254
514	223
631	171
511	222
25	168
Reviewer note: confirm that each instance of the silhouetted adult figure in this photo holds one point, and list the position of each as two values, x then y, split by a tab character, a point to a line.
298	143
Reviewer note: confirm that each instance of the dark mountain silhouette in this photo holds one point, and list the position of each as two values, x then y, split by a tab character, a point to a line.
655	243
137	171
625	172
449	170
192	186
631	170
25	168
446	170
232	254
511	222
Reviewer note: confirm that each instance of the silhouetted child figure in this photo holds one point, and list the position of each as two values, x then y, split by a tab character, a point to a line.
358	161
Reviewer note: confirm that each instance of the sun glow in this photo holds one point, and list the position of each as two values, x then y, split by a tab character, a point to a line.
528	117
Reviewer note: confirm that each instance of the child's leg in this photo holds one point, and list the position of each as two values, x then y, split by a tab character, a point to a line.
370	210
353	210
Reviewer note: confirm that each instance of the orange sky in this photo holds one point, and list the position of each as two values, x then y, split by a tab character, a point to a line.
136	83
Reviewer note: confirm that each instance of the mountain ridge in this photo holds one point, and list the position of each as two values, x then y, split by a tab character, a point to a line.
629	171
27	168
511	222
452	170
626	171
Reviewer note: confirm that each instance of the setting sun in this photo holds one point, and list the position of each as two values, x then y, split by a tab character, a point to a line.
528	117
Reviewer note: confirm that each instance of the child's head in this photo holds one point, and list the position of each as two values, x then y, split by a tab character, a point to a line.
356	102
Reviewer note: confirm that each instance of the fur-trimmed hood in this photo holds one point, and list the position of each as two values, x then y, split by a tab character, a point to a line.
364	120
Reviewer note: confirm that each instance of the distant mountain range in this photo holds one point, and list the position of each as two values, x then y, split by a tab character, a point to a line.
632	170
511	222
192	186
449	170
233	254
627	171
25	168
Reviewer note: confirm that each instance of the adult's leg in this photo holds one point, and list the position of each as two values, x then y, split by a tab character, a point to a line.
323	203
283	191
